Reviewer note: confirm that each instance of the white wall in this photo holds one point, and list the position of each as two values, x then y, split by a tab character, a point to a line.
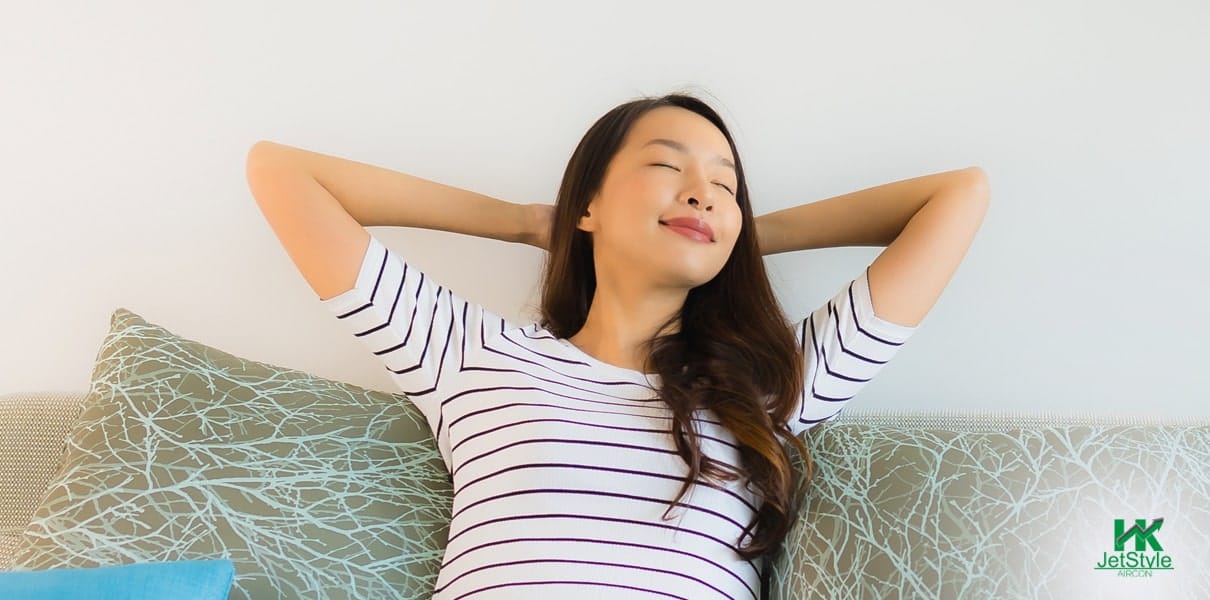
124	128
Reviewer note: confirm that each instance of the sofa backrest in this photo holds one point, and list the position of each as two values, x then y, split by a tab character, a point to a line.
33	433
901	503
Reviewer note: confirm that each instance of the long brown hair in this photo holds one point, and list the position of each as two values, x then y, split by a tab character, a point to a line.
734	353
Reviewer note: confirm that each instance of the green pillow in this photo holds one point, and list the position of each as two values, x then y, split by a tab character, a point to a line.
987	505
313	488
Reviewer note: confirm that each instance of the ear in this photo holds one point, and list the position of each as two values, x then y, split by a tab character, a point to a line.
586	222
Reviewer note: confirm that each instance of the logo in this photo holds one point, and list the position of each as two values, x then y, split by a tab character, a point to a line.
1147	554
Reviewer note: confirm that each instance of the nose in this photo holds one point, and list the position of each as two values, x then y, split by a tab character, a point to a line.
700	188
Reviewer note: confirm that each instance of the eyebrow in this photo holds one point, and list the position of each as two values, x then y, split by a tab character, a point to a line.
679	146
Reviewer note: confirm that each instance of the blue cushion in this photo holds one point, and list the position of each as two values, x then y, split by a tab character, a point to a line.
178	580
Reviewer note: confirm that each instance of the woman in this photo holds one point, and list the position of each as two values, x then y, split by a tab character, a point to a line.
634	442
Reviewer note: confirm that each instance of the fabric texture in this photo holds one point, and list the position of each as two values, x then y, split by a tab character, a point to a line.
563	465
33	430
177	580
314	488
996	507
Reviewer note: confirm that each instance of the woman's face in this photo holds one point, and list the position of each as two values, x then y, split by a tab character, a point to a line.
649	182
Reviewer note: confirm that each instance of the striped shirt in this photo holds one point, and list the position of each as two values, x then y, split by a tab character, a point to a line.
563	465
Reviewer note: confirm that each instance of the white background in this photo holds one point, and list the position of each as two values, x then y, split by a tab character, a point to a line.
124	128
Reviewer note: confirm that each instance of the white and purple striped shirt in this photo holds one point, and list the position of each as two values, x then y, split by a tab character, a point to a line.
562	465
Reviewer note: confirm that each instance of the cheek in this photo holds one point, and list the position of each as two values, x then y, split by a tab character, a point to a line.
736	221
638	196
643	186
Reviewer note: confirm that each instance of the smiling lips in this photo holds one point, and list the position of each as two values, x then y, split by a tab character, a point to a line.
691	228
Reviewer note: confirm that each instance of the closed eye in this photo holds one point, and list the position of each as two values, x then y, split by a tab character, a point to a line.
676	169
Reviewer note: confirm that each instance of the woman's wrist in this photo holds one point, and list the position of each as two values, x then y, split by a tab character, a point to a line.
520	226
532	224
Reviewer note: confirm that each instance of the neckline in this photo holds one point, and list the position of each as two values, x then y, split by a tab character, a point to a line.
631	373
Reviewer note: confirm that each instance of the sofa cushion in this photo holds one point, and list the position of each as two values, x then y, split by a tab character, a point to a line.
997	506
178	580
314	488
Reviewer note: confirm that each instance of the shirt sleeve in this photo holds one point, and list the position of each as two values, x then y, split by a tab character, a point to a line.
420	330
844	345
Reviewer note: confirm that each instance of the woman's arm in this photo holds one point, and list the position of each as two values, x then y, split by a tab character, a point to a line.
927	224
376	196
319	206
870	217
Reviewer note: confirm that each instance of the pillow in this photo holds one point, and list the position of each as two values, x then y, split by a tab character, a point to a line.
180	580
314	488
996	506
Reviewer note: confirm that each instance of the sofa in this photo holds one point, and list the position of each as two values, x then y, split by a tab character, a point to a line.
322	489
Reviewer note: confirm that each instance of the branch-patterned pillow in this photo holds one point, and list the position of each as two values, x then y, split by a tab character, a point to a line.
314	488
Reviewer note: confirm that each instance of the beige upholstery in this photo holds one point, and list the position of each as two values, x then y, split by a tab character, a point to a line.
33	429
